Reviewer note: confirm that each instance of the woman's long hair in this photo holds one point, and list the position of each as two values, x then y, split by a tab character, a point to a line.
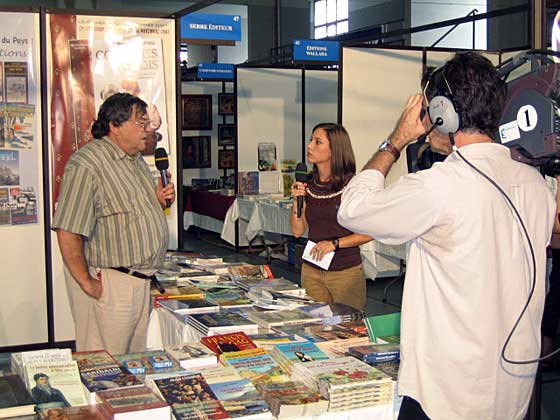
343	162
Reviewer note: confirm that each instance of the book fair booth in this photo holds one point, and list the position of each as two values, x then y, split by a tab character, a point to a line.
234	135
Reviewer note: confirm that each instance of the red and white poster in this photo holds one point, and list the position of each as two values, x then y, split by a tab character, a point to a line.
94	57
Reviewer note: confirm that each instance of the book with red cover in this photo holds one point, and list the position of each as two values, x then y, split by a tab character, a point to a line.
224	343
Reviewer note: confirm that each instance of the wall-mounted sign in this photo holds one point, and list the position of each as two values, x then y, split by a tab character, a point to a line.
215	71
314	50
207	26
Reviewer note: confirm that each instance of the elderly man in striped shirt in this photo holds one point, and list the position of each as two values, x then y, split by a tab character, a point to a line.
110	215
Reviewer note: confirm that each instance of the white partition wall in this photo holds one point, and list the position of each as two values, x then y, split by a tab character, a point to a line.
268	111
375	86
321	98
23	304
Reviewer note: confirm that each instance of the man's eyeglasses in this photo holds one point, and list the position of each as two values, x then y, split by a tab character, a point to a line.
143	124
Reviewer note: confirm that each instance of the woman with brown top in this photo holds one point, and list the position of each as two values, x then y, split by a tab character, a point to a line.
331	154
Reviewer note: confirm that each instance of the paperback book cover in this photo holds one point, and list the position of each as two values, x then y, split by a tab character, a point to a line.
15	82
55	384
254	364
192	355
229	298
109	377
224	343
186	306
191	398
19	125
85	412
240	398
303	351
137	399
220	320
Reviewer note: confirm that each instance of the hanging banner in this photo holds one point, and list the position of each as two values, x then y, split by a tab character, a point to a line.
215	71
19	155
94	57
210	26
314	50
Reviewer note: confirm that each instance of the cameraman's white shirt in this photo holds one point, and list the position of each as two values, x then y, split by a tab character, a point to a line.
469	272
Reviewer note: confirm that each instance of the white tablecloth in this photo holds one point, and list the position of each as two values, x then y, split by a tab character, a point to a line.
199	220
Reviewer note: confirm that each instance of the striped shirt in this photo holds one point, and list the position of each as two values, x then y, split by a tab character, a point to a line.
109	198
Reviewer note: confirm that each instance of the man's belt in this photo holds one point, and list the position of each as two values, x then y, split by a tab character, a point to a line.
142	276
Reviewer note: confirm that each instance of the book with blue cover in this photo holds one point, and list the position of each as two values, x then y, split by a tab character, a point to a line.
241	399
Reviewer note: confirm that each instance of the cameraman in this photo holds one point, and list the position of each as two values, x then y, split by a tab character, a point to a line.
469	265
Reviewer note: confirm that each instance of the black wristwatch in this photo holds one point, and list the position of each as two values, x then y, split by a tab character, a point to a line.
336	243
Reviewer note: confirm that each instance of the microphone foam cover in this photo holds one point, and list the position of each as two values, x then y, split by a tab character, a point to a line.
161	159
301	172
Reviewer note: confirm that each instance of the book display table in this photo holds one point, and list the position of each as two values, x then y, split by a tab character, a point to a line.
165	329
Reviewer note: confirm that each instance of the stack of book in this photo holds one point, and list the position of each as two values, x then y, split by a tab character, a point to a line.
374	354
268	340
178	292
85	412
338	348
333	313
181	273
133	403
247	273
278	284
293	399
150	365
188	306
220	323
346	382
229	298
99	371
238	395
271	319
319	333
268	298
190	397
192	355
51	377
288	354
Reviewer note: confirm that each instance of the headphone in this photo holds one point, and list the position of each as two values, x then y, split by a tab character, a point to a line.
442	109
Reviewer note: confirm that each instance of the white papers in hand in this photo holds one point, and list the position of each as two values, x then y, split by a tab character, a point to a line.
323	263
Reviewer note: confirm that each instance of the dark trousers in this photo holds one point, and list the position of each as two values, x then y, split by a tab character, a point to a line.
411	410
551	314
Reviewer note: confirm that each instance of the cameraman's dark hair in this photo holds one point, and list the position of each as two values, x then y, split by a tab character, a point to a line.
478	93
116	109
343	163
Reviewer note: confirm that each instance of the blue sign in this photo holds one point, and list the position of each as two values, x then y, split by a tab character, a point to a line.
315	50
215	71
211	26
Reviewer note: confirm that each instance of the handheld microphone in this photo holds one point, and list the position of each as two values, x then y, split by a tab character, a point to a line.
301	176
162	164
